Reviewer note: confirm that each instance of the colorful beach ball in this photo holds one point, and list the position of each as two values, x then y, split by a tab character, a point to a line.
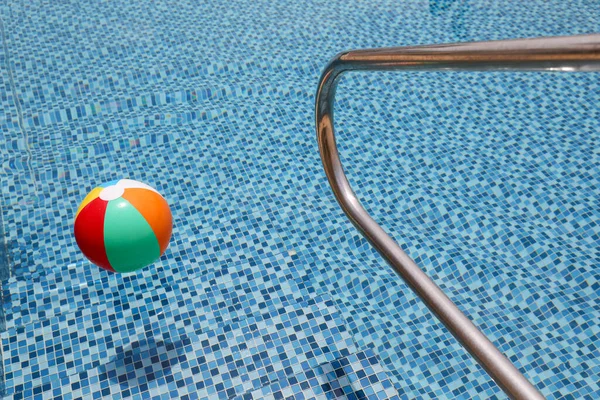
123	225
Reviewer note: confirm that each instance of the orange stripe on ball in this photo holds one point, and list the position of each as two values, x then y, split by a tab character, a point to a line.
155	209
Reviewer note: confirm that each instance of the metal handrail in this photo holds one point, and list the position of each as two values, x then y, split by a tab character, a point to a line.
564	54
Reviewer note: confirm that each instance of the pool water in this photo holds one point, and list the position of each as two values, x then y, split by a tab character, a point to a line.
488	180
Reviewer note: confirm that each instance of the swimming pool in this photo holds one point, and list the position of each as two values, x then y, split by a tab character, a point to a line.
487	180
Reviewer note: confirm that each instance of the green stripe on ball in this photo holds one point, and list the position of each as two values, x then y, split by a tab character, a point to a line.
128	238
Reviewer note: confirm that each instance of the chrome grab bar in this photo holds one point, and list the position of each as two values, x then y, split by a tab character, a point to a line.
570	53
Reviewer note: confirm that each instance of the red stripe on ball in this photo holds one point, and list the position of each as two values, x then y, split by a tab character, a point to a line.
89	233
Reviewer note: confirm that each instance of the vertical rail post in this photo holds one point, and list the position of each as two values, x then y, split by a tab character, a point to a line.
560	54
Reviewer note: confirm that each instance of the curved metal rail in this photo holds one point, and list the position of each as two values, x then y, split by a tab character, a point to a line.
563	54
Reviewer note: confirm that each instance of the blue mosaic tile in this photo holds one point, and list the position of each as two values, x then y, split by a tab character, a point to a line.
356	376
224	294
80	286
235	358
486	180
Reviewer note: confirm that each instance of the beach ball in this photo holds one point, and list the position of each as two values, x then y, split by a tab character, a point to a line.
123	225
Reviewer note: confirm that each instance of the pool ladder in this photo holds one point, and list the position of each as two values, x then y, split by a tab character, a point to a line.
579	53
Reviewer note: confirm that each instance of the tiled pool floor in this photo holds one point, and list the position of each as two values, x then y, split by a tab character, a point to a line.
489	181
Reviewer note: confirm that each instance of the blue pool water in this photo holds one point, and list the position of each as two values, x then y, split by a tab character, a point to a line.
488	180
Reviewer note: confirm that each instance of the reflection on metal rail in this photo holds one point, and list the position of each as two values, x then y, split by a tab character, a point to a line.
566	54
